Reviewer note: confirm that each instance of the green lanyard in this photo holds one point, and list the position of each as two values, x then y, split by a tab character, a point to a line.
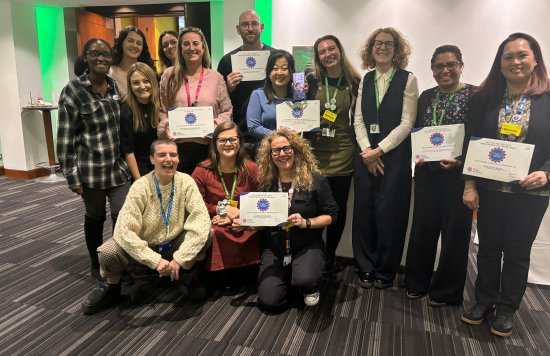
376	88
434	107
225	187
331	103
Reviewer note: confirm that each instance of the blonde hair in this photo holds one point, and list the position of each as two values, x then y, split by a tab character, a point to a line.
175	81
305	165
402	49
154	117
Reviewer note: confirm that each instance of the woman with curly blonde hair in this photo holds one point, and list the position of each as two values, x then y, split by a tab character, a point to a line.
294	257
384	115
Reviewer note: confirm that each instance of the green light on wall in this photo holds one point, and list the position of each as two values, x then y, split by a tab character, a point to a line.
264	9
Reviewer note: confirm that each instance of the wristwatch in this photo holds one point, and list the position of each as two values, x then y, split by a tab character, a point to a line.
308	224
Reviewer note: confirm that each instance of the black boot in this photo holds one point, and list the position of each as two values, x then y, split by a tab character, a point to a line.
102	297
501	323
93	233
476	314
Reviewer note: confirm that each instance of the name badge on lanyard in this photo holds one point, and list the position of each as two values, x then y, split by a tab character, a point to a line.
374	128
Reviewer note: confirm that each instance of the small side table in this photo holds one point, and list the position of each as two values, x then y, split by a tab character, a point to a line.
52	165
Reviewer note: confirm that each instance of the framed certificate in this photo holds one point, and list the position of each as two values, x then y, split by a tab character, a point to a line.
434	143
263	209
504	161
300	116
191	122
251	64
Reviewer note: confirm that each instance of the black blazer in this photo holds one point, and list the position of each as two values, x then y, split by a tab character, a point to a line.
483	122
310	204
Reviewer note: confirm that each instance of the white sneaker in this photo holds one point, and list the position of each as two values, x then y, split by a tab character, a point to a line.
312	299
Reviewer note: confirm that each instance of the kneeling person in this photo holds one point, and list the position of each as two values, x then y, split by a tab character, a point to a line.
163	224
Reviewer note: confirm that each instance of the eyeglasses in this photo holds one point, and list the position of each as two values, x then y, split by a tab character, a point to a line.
96	54
277	151
254	25
232	140
449	65
387	44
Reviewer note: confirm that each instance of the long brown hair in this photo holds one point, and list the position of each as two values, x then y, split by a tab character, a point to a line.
175	81
494	85
140	123
305	165
214	156
401	53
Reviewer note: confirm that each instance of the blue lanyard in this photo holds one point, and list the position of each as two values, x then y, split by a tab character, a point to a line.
519	110
165	217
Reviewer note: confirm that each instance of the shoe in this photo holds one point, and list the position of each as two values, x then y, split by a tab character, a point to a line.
380	283
437	303
501	323
96	276
366	279
102	297
476	314
312	299
414	295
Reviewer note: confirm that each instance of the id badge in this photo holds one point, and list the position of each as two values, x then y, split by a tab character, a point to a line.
510	129
287	260
165	246
329	116
375	129
328	132
234	203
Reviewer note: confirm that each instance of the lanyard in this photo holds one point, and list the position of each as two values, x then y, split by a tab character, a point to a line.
376	88
515	118
287	231
225	187
434	107
165	217
287	101
331	102
199	85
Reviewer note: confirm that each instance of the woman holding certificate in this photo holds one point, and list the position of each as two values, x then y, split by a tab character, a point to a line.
438	207
260	115
139	118
513	105
384	115
221	179
334	83
293	256
191	83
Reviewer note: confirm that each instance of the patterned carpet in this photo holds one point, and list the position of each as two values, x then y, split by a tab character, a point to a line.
44	274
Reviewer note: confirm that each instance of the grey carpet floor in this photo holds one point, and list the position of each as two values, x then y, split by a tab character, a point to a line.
44	274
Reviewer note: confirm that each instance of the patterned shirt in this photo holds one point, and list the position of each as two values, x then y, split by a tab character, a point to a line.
453	111
88	143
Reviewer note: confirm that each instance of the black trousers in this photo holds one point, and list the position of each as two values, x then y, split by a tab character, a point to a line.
438	208
507	225
304	273
340	191
380	216
190	155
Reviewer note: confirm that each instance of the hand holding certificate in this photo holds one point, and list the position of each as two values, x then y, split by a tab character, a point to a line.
263	209
504	161
302	116
251	64
191	122
434	143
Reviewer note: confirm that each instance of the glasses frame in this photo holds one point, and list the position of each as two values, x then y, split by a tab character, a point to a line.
224	140
387	44
253	25
451	66
99	54
275	152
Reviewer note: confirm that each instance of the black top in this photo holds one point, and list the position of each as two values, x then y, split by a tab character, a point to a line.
137	142
310	204
239	96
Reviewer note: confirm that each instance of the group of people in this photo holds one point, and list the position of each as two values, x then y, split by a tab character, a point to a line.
114	130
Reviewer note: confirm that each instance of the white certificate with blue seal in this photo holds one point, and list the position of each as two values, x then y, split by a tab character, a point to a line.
263	209
251	64
191	122
300	116
500	160
434	143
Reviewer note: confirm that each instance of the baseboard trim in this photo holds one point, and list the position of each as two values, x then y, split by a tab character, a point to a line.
2	171
32	174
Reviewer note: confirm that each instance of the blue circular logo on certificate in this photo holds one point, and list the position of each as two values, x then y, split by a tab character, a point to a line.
190	118
497	155
297	112
250	62
263	204
437	139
